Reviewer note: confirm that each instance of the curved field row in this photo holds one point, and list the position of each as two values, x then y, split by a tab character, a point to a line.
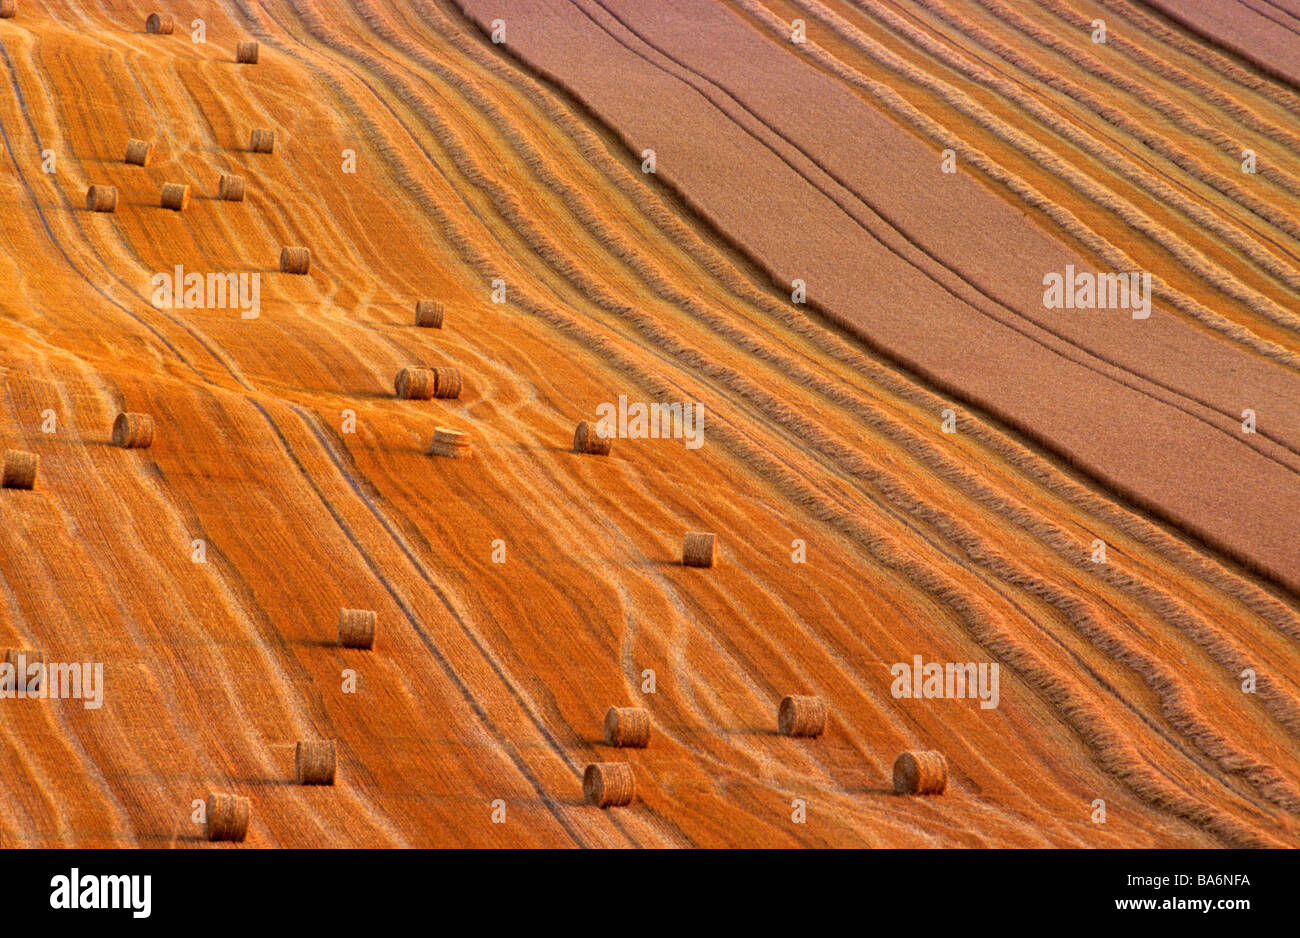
1264	36
1103	211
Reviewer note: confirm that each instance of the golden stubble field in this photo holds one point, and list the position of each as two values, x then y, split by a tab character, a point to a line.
522	592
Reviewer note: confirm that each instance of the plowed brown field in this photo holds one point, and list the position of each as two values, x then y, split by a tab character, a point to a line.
524	591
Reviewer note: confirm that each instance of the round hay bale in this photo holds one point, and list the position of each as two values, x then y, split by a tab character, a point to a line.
921	773
357	628
160	24
698	549
246	53
414	383
138	152
453	444
262	141
227	817
133	431
627	727
801	716
428	314
175	196
609	784
587	440
101	199
19	470
295	260
447	383
314	762
231	188
8	8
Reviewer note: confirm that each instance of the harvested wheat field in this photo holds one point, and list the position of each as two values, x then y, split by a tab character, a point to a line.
880	450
